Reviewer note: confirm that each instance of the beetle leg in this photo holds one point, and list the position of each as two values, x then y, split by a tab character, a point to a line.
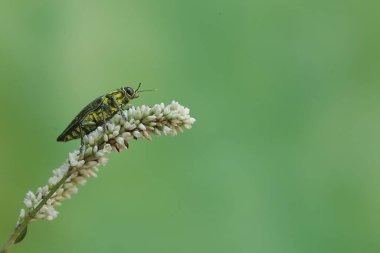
81	138
81	125
103	119
126	107
116	104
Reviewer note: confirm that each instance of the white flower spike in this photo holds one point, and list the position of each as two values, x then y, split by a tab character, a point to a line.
139	122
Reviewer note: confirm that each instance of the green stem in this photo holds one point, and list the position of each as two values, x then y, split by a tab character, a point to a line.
33	213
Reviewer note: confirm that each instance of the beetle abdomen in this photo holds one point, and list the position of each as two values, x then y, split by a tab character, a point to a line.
89	122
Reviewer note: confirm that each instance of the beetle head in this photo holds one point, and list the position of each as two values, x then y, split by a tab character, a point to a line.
131	93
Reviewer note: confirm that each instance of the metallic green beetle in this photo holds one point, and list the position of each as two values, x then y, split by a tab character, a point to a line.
98	112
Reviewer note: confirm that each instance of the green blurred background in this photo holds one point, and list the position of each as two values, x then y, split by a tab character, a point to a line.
283	156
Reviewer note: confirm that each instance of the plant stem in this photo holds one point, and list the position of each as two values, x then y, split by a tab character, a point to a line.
33	213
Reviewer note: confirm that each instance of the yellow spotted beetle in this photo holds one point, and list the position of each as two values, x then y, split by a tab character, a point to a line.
98	112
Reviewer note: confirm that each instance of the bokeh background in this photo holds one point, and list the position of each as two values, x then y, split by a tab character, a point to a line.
284	156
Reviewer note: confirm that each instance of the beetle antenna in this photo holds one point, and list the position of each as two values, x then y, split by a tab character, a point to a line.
138	87
148	90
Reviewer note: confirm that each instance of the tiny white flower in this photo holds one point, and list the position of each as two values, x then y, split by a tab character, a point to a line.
80	180
142	127
166	111
151	118
157	110
92	163
146	135
137	134
166	130
91	140
53	180
30	195
66	195
189	121
107	148
99	153
110	127
28	203
88	151
80	163
126	135
92	173
86	139
22	213
137	114
127	126
72	189
103	160
45	190
120	140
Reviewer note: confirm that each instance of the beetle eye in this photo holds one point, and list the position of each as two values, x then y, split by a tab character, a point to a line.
129	90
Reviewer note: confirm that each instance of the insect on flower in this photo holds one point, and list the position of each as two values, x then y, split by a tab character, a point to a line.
98	112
